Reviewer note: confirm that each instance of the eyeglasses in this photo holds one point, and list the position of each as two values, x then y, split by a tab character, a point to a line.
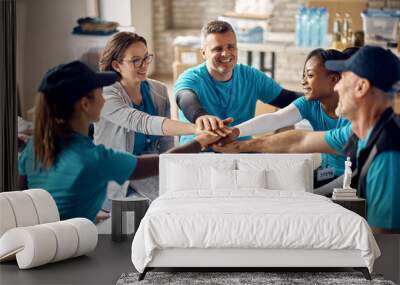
138	62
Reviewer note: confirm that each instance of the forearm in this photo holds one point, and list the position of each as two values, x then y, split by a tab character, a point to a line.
293	141
285	98
122	114
190	105
270	122
191	147
177	128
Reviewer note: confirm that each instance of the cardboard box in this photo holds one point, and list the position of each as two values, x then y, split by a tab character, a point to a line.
188	55
353	7
179	68
262	108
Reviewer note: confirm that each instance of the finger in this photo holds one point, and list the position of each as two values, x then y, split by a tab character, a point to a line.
227	121
206	124
221	124
199	124
213	122
224	141
220	132
227	131
211	133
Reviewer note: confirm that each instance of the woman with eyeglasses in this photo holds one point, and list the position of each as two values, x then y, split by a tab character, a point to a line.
135	117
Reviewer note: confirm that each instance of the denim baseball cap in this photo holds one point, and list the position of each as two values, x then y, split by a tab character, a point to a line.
378	65
71	81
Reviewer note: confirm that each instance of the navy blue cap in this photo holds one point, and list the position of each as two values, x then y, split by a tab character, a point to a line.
380	66
72	81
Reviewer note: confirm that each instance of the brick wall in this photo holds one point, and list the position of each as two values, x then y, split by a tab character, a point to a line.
172	18
184	16
180	17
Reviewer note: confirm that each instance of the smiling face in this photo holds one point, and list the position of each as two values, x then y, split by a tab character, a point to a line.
90	106
317	82
346	89
220	52
134	64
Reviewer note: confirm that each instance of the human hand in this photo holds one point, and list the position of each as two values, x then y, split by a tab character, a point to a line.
205	138
212	123
230	147
230	137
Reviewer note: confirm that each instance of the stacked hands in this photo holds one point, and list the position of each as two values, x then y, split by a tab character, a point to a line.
213	132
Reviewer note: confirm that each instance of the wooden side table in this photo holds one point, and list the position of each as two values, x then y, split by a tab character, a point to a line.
137	203
357	205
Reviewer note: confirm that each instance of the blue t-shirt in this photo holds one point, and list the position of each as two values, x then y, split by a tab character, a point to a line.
142	141
234	98
382	190
313	111
78	179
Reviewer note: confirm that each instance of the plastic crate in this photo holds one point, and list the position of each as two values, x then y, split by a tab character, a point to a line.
247	30
381	25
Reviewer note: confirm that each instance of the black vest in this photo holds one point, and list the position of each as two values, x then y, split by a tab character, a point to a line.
384	136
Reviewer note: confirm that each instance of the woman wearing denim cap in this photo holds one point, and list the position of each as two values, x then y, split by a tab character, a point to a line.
135	117
62	159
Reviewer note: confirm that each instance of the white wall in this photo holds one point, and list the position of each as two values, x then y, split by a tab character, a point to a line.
43	31
142	21
116	10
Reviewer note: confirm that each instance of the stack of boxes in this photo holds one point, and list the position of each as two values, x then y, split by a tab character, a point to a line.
185	57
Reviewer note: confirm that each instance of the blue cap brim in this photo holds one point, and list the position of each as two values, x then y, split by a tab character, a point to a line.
336	65
105	78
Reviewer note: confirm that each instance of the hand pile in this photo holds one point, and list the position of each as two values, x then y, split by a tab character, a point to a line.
213	132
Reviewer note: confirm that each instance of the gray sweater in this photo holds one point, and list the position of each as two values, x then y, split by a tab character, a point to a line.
119	121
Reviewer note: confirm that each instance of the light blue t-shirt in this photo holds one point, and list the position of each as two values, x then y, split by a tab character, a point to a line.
78	179
234	98
382	182
313	111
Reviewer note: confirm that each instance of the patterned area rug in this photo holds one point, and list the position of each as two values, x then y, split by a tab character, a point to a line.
243	278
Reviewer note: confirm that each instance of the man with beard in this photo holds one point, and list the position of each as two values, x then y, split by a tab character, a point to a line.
221	88
369	81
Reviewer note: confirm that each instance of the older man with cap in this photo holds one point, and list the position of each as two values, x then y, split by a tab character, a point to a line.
369	81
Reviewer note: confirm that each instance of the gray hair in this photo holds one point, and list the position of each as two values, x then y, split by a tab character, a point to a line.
215	27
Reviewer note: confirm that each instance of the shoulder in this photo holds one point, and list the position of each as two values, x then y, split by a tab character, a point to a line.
385	164
250	72
303	106
106	154
337	138
156	85
158	90
113	90
194	79
199	71
301	101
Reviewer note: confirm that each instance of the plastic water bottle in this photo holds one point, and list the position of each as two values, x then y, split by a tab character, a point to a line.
314	27
323	27
299	26
305	26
